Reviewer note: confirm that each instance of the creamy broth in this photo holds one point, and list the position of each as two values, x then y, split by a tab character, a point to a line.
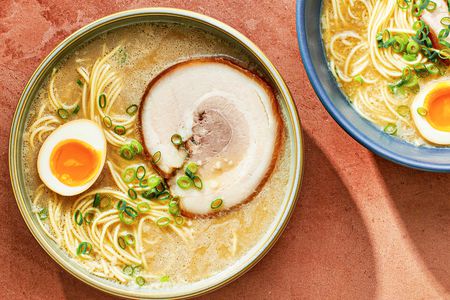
216	243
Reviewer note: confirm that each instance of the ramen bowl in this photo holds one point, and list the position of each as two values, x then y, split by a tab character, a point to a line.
130	18
435	159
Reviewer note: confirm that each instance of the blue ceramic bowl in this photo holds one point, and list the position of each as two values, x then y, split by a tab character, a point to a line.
323	82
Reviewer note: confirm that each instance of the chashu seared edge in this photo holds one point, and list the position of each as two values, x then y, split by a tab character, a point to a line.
151	139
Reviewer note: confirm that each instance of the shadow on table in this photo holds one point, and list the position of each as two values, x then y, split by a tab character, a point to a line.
422	200
325	253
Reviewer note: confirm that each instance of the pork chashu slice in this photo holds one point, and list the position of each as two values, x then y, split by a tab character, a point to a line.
229	121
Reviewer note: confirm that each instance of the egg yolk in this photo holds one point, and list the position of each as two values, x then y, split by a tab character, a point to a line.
74	162
437	104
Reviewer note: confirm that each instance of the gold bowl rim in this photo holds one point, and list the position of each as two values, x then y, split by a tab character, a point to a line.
20	115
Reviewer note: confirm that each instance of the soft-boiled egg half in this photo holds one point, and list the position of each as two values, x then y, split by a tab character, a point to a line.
431	112
72	157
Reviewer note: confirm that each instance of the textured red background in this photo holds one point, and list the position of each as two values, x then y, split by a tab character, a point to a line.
364	227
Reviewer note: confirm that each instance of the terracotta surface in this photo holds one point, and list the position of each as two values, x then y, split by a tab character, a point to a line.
364	227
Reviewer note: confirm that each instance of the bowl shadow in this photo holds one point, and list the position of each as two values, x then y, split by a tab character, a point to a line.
422	201
324	253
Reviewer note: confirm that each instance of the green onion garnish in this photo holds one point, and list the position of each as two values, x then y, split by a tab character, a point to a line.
128	175
88	217
43	214
121	205
176	139
129	239
156	157
197	182
163	221
125	218
76	110
136	146
132	109
216	204
359	79
165	278
62	113
153	181
126	152
121	242
445	21
128	270
179	220
149	195
412	47
131	211
107	121
132	193
84	248
120	130
422	111
143	207
78	217
164	195
191	169
403	110
390	129
184	182
140	172
140	281
102	101
96	202
105	203
174	210
79	82
143	183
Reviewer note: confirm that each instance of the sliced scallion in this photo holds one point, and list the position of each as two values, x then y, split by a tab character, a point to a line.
163	221
136	147
76	110
359	79
143	207
125	218
78	217
129	239
121	242
403	110
107	121
102	101
43	214
176	139
63	113
120	130
422	111
129	174
80	83
184	182
216	204
165	278
128	270
198	183
132	109
140	172
132	193
164	195
156	157
140	281
121	205
84	248
390	129
88	217
179	220
126	152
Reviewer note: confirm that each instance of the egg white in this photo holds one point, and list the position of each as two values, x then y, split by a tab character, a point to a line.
83	130
427	131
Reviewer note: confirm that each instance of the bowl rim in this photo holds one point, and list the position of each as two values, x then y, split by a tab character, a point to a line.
297	141
348	127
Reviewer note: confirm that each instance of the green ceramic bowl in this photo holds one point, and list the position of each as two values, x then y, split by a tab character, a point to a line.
125	19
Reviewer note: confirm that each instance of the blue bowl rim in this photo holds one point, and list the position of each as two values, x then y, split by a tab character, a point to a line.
340	118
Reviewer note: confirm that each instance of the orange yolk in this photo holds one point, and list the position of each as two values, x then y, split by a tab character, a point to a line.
74	162
437	104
